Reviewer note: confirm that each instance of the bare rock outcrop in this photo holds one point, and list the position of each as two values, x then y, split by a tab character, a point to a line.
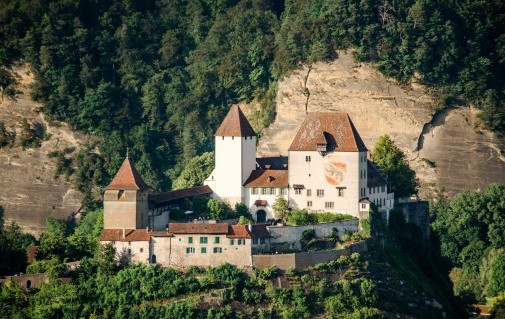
444	148
29	191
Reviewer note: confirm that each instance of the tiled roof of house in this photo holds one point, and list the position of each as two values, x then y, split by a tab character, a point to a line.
260	202
127	178
235	124
198	228
267	178
336	129
374	175
130	235
242	231
274	162
180	193
259	231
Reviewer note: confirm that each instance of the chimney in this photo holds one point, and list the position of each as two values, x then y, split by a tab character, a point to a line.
124	233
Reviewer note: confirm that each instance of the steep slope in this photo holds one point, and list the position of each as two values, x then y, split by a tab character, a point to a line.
464	156
29	191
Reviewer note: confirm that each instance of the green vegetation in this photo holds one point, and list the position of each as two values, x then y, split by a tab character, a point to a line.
159	76
299	217
100	290
13	247
195	172
393	163
470	229
280	207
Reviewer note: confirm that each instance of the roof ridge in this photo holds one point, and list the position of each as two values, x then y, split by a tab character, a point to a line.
127	178
235	123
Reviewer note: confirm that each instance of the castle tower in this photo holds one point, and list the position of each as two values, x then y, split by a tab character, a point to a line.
235	142
126	200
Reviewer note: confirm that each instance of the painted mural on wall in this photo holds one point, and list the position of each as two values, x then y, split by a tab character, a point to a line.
334	169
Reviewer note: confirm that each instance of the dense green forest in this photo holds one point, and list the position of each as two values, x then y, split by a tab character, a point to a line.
470	231
158	76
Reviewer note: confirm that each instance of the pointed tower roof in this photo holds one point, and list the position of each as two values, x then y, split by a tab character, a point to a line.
336	129
127	178
235	124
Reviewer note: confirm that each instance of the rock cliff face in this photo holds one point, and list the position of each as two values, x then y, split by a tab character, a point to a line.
28	190
445	148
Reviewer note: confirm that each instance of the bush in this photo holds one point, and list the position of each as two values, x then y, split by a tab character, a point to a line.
329	217
309	234
266	273
300	217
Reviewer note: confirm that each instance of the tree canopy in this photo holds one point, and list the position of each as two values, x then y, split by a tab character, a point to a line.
393	163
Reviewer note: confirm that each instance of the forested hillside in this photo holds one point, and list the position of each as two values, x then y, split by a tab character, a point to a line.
158	76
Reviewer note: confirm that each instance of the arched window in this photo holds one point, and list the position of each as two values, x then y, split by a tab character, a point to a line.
28	284
153	259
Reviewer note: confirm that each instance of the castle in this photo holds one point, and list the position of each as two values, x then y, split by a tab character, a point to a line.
327	169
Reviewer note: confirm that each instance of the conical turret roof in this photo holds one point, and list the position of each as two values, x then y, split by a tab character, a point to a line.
127	178
235	124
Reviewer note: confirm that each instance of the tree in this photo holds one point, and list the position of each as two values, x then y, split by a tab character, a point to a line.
53	241
195	171
393	163
280	207
217	209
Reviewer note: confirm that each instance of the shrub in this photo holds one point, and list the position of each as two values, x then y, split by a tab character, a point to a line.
300	217
329	217
309	234
266	273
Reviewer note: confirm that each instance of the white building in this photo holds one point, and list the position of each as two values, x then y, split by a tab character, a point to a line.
327	169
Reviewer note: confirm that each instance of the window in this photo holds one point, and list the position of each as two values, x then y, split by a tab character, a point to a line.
240	241
255	241
263	191
307	158
254	191
204	240
309	203
190	240
320	192
340	192
329	204
383	188
283	191
218	250
190	250
272	191
309	192
203	250
262	241
298	191
232	241
141	250
216	240
363	206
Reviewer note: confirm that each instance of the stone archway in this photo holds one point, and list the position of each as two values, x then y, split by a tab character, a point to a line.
261	216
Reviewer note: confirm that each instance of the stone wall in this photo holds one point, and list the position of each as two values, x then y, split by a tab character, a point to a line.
417	213
300	261
27	281
288	237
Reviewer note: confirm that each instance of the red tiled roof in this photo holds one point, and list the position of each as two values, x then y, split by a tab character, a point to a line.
130	235
364	201
180	193
127	178
235	124
242	231
260	231
267	178
238	231
336	129
198	228
260	202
